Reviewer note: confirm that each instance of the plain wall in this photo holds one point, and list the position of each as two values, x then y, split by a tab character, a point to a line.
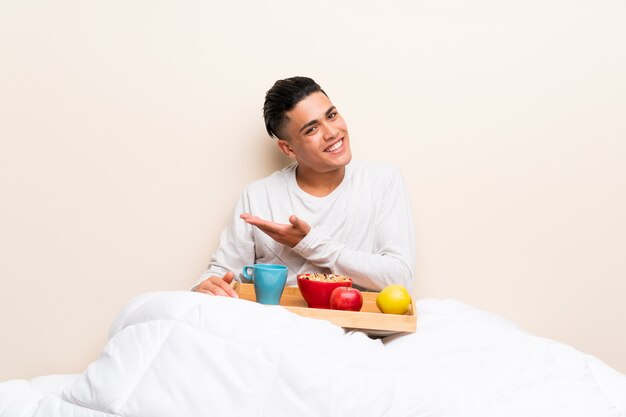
128	130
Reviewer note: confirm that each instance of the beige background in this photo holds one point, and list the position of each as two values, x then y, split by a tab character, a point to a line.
129	128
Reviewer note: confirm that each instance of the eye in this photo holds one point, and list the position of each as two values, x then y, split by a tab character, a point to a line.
332	115
310	130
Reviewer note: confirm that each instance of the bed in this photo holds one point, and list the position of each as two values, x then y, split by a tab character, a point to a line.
188	354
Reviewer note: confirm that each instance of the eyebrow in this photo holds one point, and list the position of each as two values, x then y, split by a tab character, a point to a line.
315	121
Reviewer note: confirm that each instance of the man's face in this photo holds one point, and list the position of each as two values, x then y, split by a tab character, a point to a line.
316	135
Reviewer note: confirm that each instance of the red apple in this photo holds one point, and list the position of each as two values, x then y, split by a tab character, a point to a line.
346	298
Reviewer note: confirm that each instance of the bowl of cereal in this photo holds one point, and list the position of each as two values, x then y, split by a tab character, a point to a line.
316	288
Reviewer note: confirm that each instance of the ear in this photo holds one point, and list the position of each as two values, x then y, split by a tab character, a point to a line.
285	147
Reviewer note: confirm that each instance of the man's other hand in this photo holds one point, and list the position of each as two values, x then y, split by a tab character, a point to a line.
218	286
288	234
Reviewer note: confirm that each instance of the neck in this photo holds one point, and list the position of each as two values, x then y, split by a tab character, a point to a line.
319	184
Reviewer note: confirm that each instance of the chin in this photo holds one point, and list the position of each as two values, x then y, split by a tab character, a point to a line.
341	162
346	158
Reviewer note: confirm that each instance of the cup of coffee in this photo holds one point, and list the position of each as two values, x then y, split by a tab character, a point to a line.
269	281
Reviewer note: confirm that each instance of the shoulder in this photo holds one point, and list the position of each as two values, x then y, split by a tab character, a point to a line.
379	179
372	171
276	180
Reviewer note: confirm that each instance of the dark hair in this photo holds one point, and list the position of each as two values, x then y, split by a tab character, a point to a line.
283	97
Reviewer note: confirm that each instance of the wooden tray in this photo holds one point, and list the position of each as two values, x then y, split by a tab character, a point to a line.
369	320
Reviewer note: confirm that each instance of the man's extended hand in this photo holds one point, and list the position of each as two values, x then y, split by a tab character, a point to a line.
288	234
218	286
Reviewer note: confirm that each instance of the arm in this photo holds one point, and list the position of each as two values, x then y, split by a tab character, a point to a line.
393	260
393	257
236	248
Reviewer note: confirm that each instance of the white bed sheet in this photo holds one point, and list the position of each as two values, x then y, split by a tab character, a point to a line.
183	353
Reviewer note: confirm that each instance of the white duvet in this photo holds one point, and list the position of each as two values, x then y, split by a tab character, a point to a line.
188	354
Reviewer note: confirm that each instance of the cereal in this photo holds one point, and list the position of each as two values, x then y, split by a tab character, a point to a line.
325	277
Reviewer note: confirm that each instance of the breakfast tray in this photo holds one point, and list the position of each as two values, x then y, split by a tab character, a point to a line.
369	320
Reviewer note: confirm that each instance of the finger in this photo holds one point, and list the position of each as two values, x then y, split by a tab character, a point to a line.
217	290
248	218
203	291
296	222
228	277
299	224
265	225
224	288
209	287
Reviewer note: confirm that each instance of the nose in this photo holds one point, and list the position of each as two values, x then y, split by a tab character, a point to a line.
329	131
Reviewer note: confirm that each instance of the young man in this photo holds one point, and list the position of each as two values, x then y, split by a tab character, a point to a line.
322	213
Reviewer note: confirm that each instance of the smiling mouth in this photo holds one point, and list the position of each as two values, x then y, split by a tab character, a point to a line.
336	146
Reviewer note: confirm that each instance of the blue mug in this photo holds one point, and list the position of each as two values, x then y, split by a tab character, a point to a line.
269	281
